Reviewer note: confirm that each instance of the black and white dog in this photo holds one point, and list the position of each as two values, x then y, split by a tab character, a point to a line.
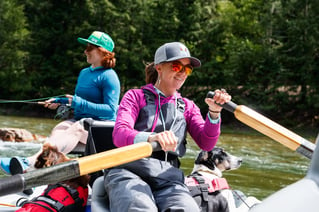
209	189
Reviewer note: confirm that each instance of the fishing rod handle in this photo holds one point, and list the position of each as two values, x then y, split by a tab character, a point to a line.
230	106
49	103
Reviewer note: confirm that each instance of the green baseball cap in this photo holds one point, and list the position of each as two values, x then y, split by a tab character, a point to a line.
99	39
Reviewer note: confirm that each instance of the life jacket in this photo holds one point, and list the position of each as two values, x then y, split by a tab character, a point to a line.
170	111
58	198
207	192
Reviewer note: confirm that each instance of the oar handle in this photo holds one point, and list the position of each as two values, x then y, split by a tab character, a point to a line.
11	185
230	106
38	177
156	146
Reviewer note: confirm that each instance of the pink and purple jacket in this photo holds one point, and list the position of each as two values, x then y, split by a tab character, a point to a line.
134	125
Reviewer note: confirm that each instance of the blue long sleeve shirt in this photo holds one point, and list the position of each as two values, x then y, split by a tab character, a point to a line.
97	94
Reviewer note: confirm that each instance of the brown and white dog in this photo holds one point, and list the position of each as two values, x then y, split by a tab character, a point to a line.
209	167
19	135
64	192
51	156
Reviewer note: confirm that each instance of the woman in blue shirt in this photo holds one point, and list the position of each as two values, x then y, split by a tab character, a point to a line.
96	96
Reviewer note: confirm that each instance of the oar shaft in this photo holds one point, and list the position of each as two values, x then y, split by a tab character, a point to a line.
274	131
269	128
115	157
75	168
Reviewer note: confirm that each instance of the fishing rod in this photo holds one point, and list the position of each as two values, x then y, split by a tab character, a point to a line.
40	103
36	103
63	110
30	101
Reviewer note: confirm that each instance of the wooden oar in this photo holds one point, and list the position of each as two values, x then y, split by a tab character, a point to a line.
76	168
269	128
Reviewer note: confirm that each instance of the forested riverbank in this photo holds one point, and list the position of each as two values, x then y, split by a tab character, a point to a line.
264	53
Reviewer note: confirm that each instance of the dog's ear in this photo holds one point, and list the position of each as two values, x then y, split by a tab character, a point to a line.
40	161
43	157
202	156
206	158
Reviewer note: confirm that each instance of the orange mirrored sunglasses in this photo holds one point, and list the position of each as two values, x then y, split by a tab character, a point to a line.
178	66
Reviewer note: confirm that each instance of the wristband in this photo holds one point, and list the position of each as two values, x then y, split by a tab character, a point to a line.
213	111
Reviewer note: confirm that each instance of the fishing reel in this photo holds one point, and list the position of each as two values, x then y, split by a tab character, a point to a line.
63	112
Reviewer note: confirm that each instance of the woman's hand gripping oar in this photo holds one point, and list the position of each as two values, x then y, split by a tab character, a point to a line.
269	128
77	167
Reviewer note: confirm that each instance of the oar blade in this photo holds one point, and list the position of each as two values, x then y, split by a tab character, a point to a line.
274	131
269	128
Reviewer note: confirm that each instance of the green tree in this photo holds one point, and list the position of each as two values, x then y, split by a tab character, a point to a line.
264	52
128	30
296	27
55	55
13	37
182	21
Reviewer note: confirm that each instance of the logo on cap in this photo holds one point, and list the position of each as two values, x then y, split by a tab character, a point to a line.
99	39
174	51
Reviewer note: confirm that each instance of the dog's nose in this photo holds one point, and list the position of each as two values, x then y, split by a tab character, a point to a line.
240	161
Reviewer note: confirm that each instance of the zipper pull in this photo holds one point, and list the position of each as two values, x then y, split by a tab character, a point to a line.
166	157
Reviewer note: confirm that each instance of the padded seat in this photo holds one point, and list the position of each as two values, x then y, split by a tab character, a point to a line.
99	140
99	136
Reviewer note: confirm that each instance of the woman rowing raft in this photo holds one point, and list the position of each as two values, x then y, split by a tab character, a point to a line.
96	96
158	113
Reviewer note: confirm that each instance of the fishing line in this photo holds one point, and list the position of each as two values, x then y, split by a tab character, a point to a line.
63	111
31	101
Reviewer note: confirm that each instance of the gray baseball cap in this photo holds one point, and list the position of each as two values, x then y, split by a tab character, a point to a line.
174	51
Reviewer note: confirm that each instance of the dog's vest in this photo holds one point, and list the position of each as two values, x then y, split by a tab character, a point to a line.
58	198
204	191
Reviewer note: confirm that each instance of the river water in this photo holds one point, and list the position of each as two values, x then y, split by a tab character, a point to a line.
267	165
